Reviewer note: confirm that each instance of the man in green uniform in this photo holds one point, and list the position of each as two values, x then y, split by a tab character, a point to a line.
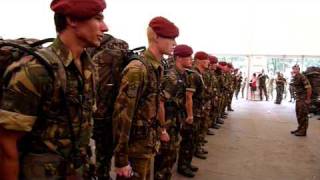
302	90
262	77
195	94
172	105
135	116
280	82
55	102
216	89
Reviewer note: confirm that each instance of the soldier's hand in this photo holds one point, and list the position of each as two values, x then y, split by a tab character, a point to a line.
189	120
307	101
164	136
125	171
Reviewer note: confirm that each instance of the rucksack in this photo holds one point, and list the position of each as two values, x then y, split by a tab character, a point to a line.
11	53
110	58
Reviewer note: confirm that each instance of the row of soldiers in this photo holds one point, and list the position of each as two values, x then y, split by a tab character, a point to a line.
195	97
50	107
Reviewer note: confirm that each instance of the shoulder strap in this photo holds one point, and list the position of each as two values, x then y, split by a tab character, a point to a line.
59	73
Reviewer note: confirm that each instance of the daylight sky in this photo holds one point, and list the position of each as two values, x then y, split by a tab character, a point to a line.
282	27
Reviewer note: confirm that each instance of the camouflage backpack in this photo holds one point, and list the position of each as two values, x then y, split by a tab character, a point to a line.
11	53
110	59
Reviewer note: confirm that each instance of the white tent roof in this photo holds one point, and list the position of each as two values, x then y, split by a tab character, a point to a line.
285	27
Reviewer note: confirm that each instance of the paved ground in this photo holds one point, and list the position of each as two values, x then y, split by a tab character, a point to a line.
255	144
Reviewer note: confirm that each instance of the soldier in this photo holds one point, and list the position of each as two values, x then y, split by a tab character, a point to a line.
172	105
238	83
135	116
262	84
230	79
215	94
57	108
302	90
280	82
195	95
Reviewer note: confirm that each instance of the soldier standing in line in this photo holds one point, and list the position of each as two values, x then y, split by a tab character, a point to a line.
262	77
303	91
195	99
280	82
238	83
224	89
55	108
172	105
215	94
136	110
231	85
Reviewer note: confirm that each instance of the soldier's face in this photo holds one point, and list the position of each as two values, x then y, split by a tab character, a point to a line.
90	31
205	63
186	62
166	45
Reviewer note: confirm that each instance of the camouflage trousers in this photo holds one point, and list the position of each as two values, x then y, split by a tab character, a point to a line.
205	121
141	168
229	99
187	146
49	166
102	134
214	112
198	138
302	114
279	97
167	156
263	89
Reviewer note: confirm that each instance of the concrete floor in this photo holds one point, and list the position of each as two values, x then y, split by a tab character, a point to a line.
255	144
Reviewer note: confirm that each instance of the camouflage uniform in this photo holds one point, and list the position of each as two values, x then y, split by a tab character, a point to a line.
301	84
109	59
215	98
61	120
280	81
238	83
190	132
262	86
173	93
196	84
135	115
207	100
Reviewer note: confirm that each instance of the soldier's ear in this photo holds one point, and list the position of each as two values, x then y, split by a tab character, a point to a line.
71	22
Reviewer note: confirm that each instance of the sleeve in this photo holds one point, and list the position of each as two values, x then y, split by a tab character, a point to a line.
21	98
167	84
191	83
125	106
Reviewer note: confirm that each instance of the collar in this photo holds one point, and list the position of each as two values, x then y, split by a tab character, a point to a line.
66	56
154	62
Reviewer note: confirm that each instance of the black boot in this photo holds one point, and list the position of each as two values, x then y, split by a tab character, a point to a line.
186	172
193	168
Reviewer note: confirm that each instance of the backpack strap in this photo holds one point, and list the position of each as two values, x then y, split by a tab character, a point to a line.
59	73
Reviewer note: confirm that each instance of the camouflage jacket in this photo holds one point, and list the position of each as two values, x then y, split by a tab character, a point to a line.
136	110
29	99
195	84
215	84
300	85
174	92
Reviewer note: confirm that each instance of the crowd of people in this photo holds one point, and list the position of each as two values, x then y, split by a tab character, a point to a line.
51	110
52	104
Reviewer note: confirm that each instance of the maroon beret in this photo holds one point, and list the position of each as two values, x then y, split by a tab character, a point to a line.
164	28
182	50
213	59
222	63
200	55
78	8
